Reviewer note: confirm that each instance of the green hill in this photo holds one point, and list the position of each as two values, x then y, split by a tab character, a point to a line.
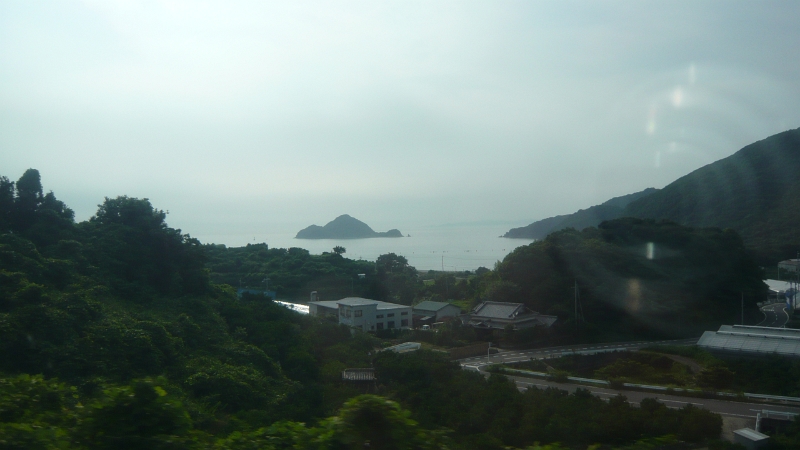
589	217
755	191
635	278
115	335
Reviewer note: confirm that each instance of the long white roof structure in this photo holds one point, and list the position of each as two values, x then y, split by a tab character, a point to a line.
752	340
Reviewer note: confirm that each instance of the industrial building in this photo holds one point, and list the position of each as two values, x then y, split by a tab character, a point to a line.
364	314
752	341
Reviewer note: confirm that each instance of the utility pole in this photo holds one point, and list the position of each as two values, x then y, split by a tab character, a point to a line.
576	305
487	352
797	285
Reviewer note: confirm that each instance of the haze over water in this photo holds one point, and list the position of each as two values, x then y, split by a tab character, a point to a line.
244	116
453	247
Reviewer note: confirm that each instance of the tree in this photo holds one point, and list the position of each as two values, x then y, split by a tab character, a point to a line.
134	244
391	263
339	250
369	421
29	197
6	203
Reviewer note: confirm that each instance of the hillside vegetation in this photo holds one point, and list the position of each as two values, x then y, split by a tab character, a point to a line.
589	217
113	335
755	191
635	278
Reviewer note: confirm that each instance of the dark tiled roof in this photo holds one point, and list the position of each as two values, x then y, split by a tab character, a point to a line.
431	306
498	310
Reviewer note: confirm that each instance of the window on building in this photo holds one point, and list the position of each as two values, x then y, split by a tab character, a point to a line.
379	316
390	324
390	315
380	325
349	313
358	313
404	323
341	311
404	313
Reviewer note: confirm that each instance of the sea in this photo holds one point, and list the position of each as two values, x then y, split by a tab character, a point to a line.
450	248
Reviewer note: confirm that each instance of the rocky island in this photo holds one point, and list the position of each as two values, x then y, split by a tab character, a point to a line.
344	227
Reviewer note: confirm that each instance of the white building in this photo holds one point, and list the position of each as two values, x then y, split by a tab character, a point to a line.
365	314
790	265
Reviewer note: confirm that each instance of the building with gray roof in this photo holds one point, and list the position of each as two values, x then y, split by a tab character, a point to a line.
750	438
429	311
752	341
499	315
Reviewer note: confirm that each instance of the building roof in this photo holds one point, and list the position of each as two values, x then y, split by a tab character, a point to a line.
499	314
499	310
751	434
405	347
432	306
753	340
366	374
759	331
357	301
791	262
778	285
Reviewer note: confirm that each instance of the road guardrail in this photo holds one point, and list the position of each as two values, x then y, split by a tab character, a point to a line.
658	388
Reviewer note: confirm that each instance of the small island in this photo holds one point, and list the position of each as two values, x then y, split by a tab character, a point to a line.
344	227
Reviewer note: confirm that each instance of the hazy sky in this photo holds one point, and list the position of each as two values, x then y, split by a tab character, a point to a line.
246	116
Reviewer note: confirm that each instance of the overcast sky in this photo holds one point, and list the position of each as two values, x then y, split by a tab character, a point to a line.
255	115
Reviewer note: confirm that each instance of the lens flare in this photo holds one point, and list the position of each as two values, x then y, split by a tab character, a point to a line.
634	295
677	97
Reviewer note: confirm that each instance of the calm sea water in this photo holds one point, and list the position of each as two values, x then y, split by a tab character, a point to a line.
452	248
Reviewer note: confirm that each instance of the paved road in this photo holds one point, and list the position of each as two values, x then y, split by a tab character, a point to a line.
510	356
775	315
724	407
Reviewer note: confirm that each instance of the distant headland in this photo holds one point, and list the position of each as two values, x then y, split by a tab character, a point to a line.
344	227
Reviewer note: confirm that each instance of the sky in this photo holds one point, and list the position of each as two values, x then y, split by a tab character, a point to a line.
239	117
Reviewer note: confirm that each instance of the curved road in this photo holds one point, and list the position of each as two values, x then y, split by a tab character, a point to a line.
510	356
747	409
775	315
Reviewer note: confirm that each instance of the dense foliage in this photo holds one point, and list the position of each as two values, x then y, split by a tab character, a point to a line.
584	218
635	278
490	414
113	334
755	191
772	375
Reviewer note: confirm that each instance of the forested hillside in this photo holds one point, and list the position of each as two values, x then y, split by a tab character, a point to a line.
755	191
589	217
635	278
113	335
